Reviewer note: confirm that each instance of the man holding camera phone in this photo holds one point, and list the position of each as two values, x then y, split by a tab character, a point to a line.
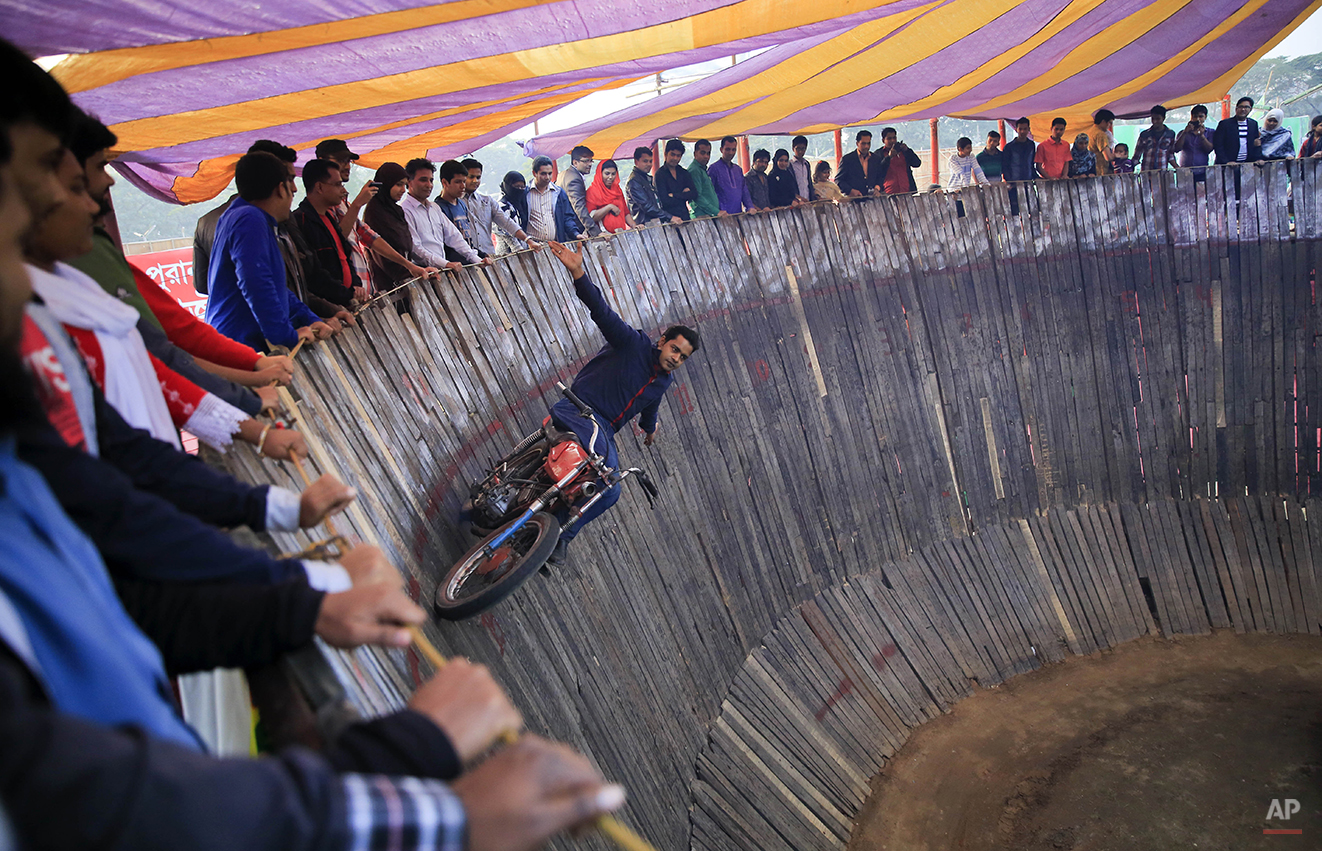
1193	145
360	237
897	164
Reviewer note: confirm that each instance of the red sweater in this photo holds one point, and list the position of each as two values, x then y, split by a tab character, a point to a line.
190	333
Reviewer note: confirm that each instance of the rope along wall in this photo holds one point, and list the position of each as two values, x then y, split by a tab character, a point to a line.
913	377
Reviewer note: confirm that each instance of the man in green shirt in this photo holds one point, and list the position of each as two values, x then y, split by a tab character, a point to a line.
706	204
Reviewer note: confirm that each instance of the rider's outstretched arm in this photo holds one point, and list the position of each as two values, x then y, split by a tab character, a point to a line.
618	333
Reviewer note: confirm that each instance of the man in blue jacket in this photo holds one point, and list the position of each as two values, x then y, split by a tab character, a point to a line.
627	378
249	300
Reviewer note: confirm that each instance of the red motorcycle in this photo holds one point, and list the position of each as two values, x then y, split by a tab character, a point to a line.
514	511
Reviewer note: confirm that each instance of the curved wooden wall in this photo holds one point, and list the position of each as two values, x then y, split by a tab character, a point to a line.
837	686
879	380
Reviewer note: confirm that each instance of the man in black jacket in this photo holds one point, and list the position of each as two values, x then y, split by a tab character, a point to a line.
898	160
674	187
336	280
1237	139
859	173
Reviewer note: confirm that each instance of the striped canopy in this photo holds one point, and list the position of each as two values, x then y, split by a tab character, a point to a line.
188	86
975	59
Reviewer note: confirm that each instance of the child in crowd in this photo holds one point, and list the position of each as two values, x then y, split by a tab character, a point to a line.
1083	162
1122	164
823	185
964	168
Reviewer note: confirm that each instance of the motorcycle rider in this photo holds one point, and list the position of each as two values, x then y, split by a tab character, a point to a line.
627	378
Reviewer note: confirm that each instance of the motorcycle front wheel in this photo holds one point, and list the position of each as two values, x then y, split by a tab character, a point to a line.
479	581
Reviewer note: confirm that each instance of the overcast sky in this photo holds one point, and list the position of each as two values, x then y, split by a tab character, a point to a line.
1303	41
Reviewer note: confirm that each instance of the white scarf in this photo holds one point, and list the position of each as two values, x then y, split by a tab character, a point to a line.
131	383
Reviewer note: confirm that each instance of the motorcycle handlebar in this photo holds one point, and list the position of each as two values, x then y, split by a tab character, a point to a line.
569	394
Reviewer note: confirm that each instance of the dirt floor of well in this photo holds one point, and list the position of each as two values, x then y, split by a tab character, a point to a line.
1158	745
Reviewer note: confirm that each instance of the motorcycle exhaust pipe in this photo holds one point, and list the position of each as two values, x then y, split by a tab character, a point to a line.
589	489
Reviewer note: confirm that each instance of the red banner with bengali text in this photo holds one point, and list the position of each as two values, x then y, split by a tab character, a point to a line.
173	270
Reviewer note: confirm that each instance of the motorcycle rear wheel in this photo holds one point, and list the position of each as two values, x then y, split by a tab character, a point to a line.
477	582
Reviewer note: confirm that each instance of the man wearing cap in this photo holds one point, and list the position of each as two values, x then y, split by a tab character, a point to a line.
361	237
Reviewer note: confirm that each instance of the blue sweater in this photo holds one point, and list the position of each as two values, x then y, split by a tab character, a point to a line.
249	300
625	378
91	658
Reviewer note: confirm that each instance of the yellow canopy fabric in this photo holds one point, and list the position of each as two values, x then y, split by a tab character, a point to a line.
187	88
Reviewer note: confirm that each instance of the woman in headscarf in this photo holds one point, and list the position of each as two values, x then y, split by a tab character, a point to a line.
513	203
782	186
606	202
384	215
1277	140
1083	162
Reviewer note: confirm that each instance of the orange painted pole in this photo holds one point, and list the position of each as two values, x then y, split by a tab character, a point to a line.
1225	106
1000	126
839	148
744	162
936	152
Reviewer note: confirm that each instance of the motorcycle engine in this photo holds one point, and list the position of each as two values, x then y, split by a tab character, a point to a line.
496	501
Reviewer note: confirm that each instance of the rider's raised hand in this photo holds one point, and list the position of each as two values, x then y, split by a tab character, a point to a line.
529	792
572	259
466	702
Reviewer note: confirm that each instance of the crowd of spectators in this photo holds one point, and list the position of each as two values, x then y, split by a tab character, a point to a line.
415	219
1236	139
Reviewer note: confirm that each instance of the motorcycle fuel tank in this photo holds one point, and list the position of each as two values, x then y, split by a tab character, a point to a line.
563	458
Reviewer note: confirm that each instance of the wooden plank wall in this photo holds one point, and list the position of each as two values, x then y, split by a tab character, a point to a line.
918	450
835	688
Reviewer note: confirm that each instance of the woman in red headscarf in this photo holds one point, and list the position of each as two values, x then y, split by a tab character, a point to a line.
606	201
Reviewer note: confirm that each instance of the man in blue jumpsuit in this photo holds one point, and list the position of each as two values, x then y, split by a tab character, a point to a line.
627	378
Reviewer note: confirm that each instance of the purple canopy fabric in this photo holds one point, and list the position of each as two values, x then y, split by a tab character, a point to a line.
188	87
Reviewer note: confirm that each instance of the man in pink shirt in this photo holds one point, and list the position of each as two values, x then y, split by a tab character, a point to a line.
1053	155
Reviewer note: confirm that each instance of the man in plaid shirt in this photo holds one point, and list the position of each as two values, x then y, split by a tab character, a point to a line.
1155	148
